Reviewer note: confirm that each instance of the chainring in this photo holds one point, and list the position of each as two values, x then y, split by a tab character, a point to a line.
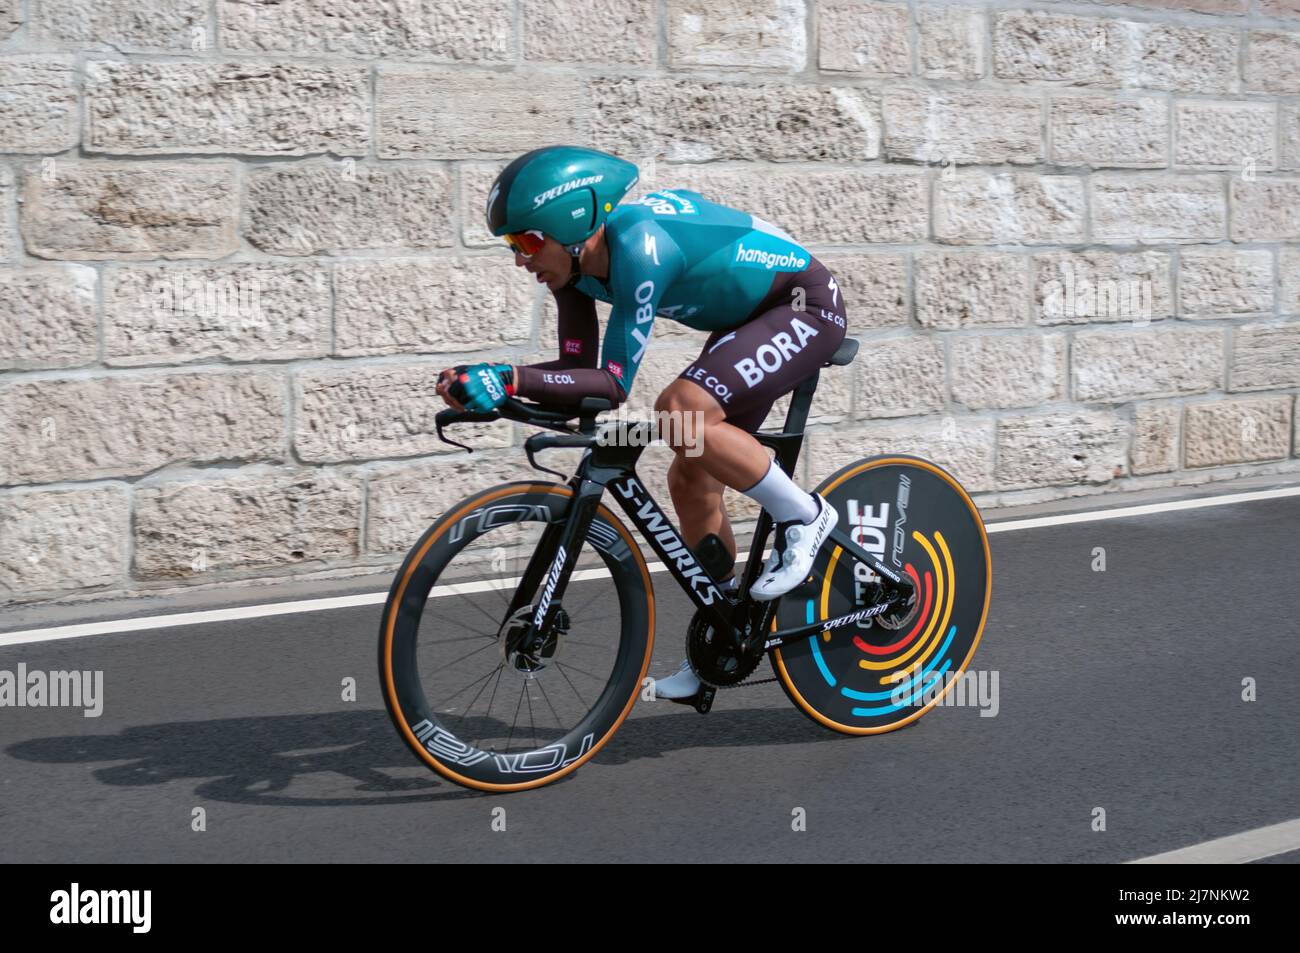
717	664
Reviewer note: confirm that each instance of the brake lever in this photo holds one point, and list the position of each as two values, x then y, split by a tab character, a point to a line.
532	462
448	417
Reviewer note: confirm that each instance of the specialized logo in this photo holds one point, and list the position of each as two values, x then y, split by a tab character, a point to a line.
552	580
852	617
767	259
542	198
659	531
721	341
770	357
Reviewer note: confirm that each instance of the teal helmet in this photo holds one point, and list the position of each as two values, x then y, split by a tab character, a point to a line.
565	192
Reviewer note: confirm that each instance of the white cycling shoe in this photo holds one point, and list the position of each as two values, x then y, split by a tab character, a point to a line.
792	556
684	683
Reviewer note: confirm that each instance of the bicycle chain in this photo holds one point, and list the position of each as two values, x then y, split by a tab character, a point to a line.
749	684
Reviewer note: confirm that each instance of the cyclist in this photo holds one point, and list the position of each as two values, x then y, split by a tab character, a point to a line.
775	313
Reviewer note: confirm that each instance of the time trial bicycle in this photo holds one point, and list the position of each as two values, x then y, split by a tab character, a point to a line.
519	629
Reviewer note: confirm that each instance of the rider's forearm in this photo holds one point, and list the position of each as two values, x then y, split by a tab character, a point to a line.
565	387
560	364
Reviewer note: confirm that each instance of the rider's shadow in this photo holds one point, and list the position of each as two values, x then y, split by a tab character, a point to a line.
251	760
256	760
661	726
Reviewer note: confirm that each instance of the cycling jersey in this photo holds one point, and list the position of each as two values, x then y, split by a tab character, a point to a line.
674	254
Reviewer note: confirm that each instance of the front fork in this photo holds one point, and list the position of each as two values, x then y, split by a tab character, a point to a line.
552	564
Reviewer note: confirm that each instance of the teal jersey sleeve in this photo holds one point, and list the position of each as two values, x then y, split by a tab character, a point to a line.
645	261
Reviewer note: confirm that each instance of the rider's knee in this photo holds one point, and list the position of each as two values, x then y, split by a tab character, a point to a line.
672	400
682	410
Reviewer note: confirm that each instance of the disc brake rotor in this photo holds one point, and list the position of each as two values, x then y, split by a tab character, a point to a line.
528	664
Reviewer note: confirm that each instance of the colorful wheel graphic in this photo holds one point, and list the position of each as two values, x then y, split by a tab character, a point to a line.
864	678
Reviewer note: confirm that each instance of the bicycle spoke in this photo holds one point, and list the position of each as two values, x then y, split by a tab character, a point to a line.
599	594
569	681
487	716
457	623
518	705
547	698
481	648
466	688
496	622
580	671
531	722
466	638
484	680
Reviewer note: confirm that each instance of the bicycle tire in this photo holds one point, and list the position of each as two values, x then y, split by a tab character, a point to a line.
420	727
820	688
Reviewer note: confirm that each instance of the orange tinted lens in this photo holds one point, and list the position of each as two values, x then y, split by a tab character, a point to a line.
526	243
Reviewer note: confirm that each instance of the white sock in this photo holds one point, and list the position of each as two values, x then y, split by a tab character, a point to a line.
781	497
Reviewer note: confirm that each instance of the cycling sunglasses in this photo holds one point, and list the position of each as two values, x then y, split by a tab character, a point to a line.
527	243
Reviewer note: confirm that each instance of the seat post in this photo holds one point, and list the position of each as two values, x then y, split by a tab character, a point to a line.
797	416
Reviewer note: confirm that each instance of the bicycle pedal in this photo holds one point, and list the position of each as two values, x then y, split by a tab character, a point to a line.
704	699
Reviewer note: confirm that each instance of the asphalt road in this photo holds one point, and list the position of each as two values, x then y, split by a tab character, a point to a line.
1118	690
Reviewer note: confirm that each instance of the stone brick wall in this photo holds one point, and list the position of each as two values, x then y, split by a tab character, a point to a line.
239	237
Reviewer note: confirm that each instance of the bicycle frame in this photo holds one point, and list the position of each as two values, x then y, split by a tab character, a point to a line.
612	465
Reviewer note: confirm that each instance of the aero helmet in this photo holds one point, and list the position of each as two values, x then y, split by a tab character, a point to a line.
565	192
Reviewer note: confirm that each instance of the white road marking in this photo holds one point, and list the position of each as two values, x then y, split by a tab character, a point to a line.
1236	849
378	598
274	608
1142	510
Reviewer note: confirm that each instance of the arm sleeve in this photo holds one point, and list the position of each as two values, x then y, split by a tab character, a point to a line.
644	262
578	331
574	375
